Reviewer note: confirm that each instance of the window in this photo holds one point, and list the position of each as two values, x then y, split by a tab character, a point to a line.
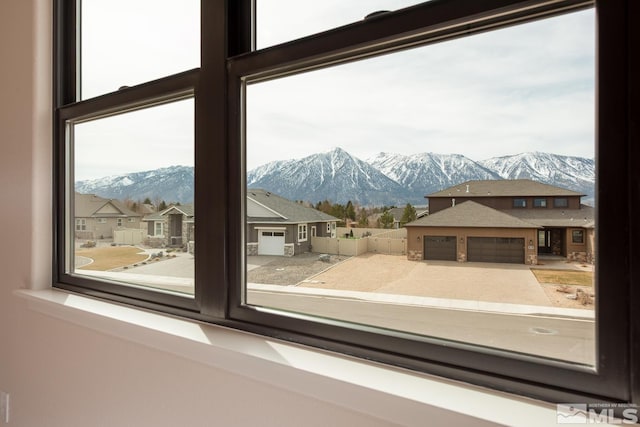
519	203
81	224
102	220
119	222
560	202
131	220
302	232
577	236
214	123
540	202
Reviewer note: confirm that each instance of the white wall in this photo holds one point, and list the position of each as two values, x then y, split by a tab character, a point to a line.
61	374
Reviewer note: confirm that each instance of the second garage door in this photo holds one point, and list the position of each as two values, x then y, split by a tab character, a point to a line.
496	249
442	248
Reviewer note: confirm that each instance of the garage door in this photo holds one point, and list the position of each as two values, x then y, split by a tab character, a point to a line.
441	248
270	242
496	249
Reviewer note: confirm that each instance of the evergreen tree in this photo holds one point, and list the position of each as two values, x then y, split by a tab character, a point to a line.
386	220
408	215
350	211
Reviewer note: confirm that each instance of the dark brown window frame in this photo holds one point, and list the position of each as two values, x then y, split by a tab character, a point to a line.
227	62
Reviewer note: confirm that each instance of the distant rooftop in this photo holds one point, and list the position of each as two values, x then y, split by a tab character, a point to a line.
504	188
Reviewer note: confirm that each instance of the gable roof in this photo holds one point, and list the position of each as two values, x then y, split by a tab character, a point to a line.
471	214
92	206
186	210
283	211
503	188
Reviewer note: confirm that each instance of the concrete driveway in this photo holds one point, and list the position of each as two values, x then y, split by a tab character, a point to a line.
505	283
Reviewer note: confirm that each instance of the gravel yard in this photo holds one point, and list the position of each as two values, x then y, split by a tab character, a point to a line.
291	270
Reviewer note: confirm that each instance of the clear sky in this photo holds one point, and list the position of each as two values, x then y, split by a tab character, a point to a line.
524	88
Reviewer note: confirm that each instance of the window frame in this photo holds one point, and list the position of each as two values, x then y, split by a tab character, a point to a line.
560	202
227	63
519	203
302	232
540	202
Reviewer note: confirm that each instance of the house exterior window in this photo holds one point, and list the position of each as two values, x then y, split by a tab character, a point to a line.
302	232
119	222
102	220
158	229
519	203
329	228
540	202
577	236
560	202
131	220
81	224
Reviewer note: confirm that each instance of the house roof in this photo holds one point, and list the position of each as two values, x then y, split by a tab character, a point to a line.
92	206
503	188
471	214
186	210
583	217
276	209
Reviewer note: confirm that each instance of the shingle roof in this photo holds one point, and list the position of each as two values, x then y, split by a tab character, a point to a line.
290	212
471	214
88	205
503	188
186	210
583	217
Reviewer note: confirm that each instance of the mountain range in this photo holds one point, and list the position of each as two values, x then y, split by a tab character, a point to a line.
336	175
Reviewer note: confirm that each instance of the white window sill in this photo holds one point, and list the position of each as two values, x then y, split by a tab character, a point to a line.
397	396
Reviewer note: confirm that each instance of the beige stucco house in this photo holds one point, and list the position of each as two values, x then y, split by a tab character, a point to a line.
97	217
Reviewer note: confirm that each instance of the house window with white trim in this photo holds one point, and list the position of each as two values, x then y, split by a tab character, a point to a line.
158	229
119	222
102	220
302	232
81	224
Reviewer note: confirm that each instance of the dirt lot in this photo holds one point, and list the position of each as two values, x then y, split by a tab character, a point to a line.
292	270
395	275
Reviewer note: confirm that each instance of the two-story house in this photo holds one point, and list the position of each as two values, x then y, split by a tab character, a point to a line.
513	221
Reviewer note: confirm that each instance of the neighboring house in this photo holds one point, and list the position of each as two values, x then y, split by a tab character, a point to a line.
399	212
172	227
97	218
277	226
512	221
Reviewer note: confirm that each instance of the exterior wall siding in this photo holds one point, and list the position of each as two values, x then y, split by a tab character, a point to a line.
437	204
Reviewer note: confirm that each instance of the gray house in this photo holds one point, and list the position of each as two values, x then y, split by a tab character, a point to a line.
277	226
173	227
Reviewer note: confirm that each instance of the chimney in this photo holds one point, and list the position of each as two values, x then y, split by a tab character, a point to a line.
467	188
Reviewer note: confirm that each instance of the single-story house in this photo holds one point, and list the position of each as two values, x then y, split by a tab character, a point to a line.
96	217
172	227
513	221
278	226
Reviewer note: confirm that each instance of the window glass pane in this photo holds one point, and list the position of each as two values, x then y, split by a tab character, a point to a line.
136	166
408	165
284	20
128	42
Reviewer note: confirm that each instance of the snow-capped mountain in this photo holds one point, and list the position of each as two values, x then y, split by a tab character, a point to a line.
426	173
172	184
386	179
574	173
335	175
